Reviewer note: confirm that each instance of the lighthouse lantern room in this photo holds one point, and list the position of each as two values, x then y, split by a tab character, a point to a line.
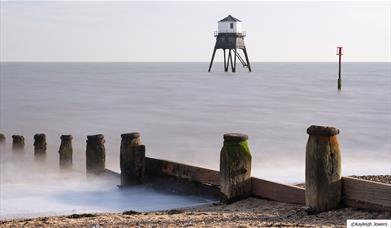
230	38
230	25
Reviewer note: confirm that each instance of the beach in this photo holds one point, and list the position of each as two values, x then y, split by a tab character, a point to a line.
194	114
250	212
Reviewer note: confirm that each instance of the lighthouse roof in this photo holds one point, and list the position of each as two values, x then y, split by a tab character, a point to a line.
230	18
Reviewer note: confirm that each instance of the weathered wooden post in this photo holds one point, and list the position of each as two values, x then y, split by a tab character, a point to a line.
322	169
39	146
66	152
132	159
17	142
95	154
235	168
2	138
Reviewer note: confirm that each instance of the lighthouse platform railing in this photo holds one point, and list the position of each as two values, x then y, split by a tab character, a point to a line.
243	33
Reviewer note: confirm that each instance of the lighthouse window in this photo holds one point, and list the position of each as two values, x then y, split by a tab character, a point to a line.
231	25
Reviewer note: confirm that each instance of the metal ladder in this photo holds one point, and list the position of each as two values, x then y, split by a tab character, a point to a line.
241	59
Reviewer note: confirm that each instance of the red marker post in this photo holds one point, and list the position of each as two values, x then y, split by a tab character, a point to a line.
339	53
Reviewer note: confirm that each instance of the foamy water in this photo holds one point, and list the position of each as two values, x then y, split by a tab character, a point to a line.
30	189
182	111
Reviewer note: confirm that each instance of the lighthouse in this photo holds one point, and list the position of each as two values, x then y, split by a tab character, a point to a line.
230	38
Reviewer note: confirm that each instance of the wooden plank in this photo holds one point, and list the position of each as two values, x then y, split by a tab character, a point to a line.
111	173
159	167
365	194
278	192
174	184
185	186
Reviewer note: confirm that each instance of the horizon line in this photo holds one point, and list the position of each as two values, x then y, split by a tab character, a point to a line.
190	62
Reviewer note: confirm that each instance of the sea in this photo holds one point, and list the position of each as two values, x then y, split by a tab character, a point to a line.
182	112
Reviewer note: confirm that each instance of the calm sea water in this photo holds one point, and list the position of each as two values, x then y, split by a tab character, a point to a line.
182	111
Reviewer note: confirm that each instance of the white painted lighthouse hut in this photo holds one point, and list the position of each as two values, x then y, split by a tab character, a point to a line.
230	25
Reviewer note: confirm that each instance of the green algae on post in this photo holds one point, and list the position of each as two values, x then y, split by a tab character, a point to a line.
235	168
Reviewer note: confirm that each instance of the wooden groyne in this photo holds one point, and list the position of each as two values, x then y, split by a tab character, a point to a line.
66	152
40	146
95	154
2	139
132	159
17	142
325	188
365	194
323	169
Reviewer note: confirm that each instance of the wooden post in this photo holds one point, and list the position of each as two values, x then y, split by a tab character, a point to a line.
2	138
322	169
66	152
132	159
95	154
235	168
40	146
17	142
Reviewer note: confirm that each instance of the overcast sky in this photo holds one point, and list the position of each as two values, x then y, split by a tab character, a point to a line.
183	31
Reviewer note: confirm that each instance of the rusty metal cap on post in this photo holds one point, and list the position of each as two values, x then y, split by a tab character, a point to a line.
322	130
97	138
130	136
235	137
66	137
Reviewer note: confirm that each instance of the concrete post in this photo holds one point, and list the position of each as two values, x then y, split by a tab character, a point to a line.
17	142
95	154
132	159
66	152
323	169
235	168
40	146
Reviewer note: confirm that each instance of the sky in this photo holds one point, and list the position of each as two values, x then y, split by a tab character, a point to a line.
183	31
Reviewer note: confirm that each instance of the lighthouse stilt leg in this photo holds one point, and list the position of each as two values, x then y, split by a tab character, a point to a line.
229	60
248	61
234	65
211	61
225	62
